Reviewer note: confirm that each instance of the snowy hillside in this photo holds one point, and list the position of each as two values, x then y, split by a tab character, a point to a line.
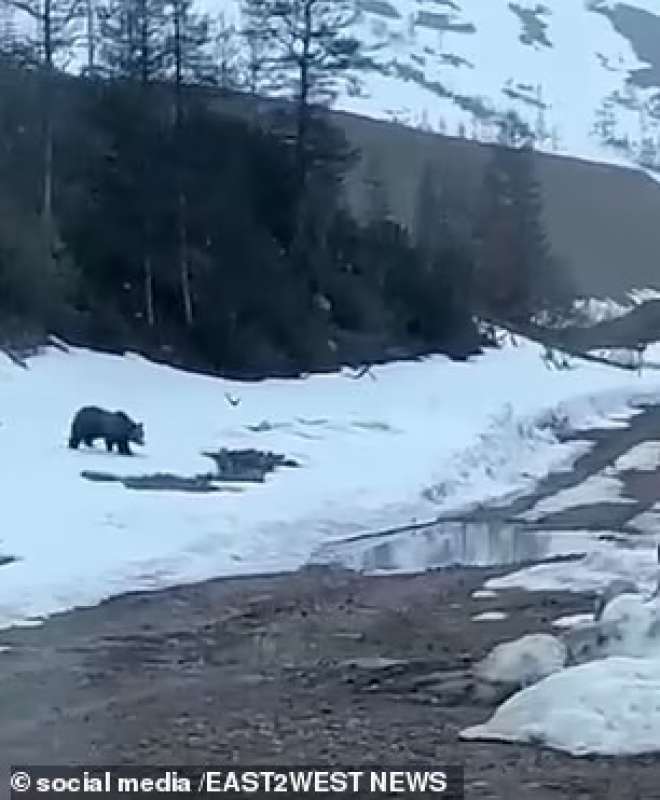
406	443
588	311
581	74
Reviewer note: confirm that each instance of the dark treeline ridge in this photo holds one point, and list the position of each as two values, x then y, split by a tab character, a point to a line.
132	216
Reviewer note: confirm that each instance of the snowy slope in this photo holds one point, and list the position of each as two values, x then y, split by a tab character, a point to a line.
588	311
420	439
582	74
573	70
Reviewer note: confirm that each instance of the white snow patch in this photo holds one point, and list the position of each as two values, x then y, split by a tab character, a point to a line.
483	594
638	621
592	573
639	296
647	521
608	707
644	457
595	489
490	616
573	621
523	661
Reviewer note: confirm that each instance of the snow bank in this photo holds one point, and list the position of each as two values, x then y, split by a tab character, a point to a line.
607	707
423	439
604	564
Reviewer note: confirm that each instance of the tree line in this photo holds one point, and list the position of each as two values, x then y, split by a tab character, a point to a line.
136	215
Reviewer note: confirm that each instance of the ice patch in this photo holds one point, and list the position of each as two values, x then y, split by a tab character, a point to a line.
483	594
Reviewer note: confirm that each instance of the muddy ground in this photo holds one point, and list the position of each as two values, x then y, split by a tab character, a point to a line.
253	671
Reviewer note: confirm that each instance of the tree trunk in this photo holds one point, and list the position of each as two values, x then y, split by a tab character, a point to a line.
47	203
91	39
147	262
302	127
47	210
303	101
149	289
184	270
184	267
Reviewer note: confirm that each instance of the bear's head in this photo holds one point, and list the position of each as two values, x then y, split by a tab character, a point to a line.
136	434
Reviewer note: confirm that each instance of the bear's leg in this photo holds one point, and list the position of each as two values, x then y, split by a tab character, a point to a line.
73	443
109	444
123	447
89	442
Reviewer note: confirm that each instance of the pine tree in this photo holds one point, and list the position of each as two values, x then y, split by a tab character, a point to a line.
134	48
427	221
91	38
377	205
187	41
514	271
187	58
255	58
309	54
134	40
55	22
226	54
8	33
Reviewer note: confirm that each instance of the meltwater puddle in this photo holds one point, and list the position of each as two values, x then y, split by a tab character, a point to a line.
457	543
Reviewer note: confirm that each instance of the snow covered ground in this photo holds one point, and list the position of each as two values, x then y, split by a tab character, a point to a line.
420	440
